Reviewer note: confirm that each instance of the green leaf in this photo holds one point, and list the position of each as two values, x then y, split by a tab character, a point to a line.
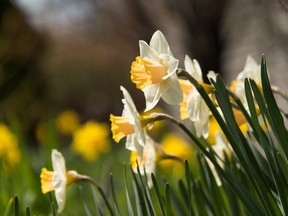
188	183
116	207
16	206
129	205
53	210
110	209
98	203
158	195
8	207
145	189
283	166
245	155
214	190
142	201
184	194
168	200
201	204
27	211
178	206
277	122
86	208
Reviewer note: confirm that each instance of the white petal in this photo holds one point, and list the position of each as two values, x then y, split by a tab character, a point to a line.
152	95
128	102
171	91
171	64
202	123
220	145
150	152
148	52
132	144
251	70
159	43
58	163
193	68
60	195
250	63
149	160
132	112
193	105
211	75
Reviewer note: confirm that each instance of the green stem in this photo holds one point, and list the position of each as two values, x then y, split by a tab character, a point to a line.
94	183
172	157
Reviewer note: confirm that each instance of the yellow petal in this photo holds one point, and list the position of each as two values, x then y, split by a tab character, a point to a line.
120	127
46	181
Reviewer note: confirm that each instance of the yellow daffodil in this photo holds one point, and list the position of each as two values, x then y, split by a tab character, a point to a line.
9	150
91	139
128	125
154	72
193	106
145	162
67	122
174	145
58	179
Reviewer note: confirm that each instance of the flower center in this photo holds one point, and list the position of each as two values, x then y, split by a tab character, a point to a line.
145	72
120	127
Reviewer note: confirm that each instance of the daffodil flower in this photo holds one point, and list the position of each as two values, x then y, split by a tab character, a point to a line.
154	72
146	162
193	106
58	179
128	125
252	71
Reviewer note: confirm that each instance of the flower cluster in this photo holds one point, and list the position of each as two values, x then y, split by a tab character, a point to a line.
89	139
217	115
155	72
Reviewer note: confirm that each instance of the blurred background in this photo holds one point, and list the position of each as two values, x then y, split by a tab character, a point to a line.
75	54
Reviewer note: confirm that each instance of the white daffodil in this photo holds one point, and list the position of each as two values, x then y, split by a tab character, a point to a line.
58	179
147	162
252	71
128	125
154	72
193	106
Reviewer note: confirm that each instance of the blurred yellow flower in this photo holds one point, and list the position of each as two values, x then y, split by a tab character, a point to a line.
9	150
172	144
91	139
67	122
41	132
